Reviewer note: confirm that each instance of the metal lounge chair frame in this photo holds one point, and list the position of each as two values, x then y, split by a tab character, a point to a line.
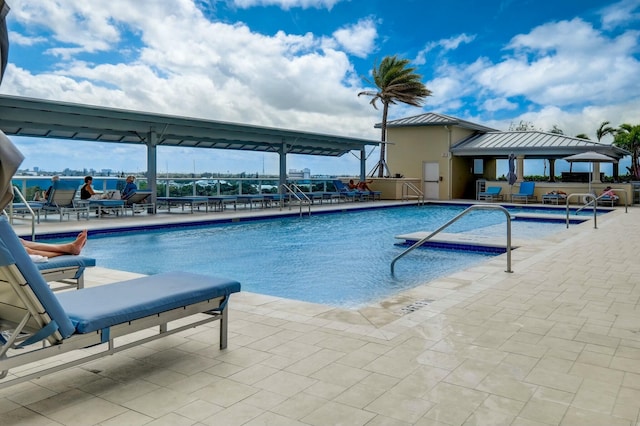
526	192
36	324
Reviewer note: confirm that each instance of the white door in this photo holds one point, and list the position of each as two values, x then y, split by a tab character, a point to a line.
431	180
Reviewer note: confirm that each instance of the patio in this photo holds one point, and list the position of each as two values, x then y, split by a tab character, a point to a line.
553	343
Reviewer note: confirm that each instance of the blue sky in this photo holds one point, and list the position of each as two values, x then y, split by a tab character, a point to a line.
298	64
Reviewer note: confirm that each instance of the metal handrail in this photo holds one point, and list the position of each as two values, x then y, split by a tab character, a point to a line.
292	191
455	219
595	220
599	197
406	186
16	191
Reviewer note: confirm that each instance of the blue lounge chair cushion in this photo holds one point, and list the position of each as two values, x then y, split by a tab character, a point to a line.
103	306
12	251
81	262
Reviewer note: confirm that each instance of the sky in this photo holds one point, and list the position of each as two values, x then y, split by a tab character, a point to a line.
299	64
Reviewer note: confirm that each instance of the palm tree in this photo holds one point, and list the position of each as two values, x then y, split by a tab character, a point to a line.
604	130
628	137
395	82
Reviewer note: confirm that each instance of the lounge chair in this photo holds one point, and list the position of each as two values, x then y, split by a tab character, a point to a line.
140	201
492	193
554	198
526	193
66	269
356	193
62	201
36	324
608	200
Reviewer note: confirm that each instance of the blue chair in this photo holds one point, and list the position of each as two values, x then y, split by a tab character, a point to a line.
526	193
491	193
36	324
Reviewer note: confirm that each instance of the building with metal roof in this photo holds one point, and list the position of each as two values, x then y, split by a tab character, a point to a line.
450	155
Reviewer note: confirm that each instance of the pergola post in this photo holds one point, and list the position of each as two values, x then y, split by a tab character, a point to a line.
520	168
282	175
552	169
363	164
152	165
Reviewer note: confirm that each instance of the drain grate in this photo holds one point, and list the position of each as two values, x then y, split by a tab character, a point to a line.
415	306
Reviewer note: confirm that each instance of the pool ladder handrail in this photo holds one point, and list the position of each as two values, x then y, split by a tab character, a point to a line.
593	200
408	186
17	192
455	219
294	191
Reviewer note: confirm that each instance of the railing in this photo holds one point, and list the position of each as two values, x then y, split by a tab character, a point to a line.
621	191
587	195
594	203
294	191
417	193
455	219
17	192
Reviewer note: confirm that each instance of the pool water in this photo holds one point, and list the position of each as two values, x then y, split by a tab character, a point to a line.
340	259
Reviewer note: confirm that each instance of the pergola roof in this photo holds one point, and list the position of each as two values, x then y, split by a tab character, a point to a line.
532	144
61	120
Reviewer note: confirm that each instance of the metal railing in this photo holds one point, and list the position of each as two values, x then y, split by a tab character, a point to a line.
621	191
17	192
293	191
455	219
594	204
417	193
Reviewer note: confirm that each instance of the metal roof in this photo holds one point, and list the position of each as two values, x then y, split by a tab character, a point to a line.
435	119
532	144
61	120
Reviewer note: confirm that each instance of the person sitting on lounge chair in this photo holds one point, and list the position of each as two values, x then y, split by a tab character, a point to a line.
360	186
129	188
54	250
608	192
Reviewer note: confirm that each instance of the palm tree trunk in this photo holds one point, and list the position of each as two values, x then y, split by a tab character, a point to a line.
383	146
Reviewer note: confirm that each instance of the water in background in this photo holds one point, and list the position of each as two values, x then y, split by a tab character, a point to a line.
340	259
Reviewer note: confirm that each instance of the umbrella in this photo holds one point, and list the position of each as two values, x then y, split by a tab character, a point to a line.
4	38
511	176
590	157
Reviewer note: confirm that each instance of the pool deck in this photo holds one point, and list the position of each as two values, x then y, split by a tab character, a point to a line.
556	342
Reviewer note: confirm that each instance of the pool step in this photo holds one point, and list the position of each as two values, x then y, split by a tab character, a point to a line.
489	242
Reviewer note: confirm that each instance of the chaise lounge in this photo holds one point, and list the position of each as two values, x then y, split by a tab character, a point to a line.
36	324
526	193
492	193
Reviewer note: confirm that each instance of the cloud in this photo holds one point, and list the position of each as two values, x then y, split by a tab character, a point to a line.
445	45
620	13
19	39
358	39
287	4
566	63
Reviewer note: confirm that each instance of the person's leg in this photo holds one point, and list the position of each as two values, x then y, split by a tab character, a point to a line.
52	250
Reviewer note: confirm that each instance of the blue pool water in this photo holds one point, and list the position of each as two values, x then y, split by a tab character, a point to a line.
340	259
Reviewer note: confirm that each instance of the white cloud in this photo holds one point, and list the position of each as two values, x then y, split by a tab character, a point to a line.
17	38
566	63
358	39
445	45
621	13
287	4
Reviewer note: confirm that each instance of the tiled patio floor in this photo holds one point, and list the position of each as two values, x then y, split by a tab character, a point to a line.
556	342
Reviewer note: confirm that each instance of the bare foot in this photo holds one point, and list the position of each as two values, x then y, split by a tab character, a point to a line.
78	244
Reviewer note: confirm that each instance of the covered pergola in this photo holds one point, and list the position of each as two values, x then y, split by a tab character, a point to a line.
534	145
40	118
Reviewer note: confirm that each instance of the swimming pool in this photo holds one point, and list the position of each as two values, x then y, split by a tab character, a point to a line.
337	259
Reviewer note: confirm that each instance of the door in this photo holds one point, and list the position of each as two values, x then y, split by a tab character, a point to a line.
431	180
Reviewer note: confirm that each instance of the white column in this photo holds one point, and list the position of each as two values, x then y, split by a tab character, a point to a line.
595	175
520	168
